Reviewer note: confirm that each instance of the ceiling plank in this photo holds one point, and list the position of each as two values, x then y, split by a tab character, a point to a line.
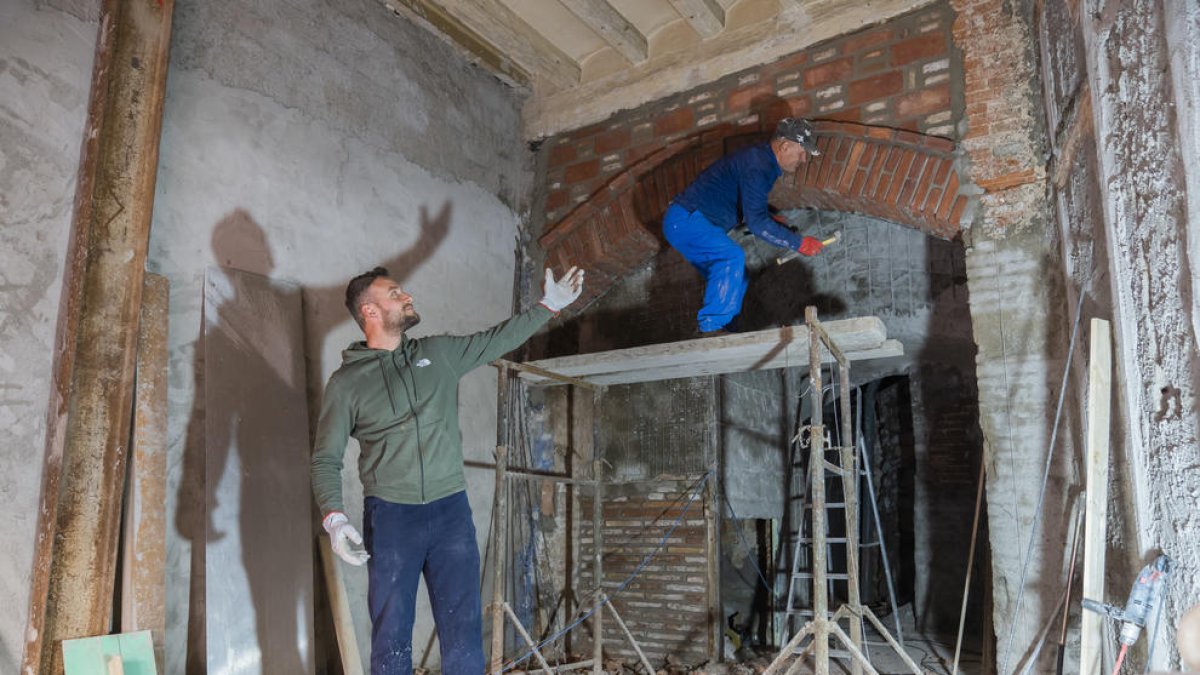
707	17
476	48
494	24
611	26
672	72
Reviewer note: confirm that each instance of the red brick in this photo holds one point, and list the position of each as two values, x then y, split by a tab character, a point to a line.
674	122
876	87
924	102
867	40
610	141
741	99
582	171
846	115
561	154
922	47
800	107
556	200
833	71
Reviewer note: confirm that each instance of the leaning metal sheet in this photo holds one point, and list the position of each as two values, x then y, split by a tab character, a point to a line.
258	560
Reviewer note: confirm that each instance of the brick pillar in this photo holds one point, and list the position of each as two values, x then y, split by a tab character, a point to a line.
1019	317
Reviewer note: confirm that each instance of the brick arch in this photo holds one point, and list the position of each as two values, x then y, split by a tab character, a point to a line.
901	176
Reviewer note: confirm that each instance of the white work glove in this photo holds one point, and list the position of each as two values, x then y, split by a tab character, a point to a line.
559	294
345	540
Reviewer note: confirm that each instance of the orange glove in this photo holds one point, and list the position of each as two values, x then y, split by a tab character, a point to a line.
810	246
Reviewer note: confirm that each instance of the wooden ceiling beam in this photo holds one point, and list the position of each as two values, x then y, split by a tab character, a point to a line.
473	46
611	26
511	40
707	17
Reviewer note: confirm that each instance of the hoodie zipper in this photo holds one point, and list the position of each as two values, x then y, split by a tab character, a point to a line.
412	406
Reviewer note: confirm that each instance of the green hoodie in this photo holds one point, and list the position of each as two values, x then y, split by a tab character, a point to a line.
402	407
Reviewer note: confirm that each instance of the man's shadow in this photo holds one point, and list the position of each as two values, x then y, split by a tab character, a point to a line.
255	431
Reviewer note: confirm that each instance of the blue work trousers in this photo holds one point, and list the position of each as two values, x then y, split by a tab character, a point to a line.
719	259
437	539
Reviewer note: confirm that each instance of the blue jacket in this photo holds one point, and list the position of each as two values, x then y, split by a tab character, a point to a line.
734	189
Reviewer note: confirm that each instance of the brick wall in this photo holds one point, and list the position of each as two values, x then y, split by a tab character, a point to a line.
665	607
901	74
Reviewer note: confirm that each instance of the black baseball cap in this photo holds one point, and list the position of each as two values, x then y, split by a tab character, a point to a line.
799	131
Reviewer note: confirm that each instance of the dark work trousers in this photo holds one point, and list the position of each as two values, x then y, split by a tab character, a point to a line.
437	539
717	257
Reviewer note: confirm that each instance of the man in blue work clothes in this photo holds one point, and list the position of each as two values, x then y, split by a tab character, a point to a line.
731	191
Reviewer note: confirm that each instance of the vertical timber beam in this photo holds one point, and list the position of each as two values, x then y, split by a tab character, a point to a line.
816	467
144	560
597	536
712	529
1095	533
88	425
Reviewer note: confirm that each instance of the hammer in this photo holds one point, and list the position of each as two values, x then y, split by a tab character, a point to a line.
795	254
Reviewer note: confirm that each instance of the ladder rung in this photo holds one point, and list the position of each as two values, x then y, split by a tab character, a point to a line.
830	505
828	540
828	575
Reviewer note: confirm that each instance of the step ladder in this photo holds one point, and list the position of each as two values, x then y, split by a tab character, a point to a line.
814	635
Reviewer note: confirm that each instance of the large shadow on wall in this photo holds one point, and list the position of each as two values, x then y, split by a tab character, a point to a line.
252	439
949	452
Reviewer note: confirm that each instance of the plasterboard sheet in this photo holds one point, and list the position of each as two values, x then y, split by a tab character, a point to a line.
258	548
860	338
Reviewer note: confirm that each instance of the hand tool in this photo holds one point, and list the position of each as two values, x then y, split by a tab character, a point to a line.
796	254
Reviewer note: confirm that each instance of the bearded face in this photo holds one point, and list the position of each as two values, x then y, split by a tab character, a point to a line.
400	319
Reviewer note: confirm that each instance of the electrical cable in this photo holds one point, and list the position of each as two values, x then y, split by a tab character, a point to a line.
695	489
1120	659
1037	512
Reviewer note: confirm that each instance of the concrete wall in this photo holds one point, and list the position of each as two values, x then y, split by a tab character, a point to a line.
45	68
305	141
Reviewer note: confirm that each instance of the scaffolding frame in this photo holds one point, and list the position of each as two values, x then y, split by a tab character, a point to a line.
500	608
867	339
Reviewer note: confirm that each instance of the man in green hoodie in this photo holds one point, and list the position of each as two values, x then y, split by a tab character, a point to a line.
398	397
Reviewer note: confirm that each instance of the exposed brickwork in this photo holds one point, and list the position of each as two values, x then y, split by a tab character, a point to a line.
901	176
897	175
879	76
1001	139
665	607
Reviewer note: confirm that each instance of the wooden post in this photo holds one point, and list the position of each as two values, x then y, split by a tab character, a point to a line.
88	415
597	536
849	453
499	551
339	604
143	579
1096	511
816	467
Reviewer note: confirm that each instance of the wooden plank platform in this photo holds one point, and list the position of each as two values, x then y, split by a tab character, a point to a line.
861	338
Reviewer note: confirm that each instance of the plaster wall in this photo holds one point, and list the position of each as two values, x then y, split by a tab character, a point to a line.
1142	91
45	68
304	141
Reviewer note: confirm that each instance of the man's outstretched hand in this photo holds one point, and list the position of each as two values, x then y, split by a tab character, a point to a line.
810	246
345	540
559	294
